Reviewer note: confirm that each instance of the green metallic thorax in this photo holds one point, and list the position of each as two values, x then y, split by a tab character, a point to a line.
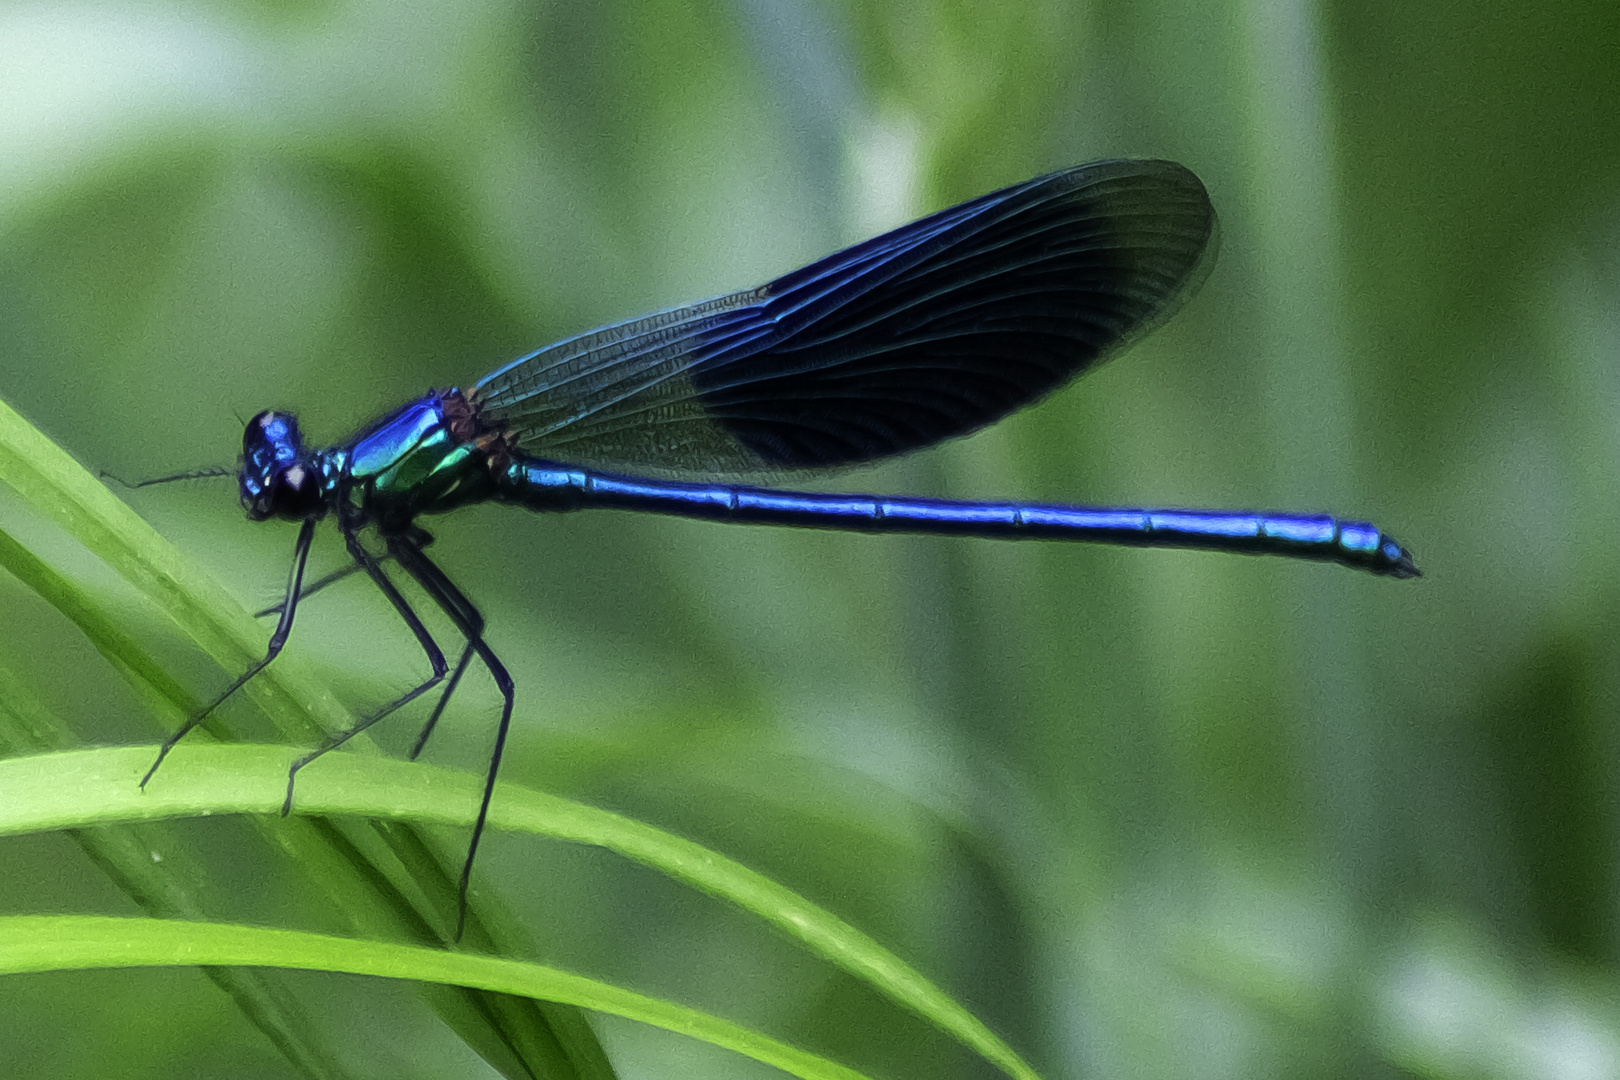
425	458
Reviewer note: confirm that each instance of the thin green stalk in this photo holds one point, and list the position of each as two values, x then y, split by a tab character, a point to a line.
32	943
72	790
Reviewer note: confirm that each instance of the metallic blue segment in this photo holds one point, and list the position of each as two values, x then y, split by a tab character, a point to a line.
546	486
1309	530
1039	519
1358	536
929	515
412	463
1190	523
382	447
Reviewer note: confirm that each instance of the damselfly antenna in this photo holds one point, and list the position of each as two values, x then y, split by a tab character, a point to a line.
195	474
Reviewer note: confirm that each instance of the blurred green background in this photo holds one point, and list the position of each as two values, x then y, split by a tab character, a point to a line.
1149	814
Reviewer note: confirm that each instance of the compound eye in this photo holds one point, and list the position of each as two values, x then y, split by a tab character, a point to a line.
272	436
275	481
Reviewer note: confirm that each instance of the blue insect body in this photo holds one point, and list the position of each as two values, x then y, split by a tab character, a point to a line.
923	334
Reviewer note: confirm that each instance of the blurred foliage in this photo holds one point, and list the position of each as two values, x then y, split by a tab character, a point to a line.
1150	814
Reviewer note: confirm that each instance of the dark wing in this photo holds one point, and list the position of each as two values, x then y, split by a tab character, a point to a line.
928	332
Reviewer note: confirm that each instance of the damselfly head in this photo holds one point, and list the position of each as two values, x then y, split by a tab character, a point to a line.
278	478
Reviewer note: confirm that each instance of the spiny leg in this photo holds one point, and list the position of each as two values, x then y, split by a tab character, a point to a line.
422	538
471	624
419	538
314	587
367	562
444	699
338	575
289	607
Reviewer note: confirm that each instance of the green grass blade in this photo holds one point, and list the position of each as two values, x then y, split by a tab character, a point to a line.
151	865
31	943
168	698
90	787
